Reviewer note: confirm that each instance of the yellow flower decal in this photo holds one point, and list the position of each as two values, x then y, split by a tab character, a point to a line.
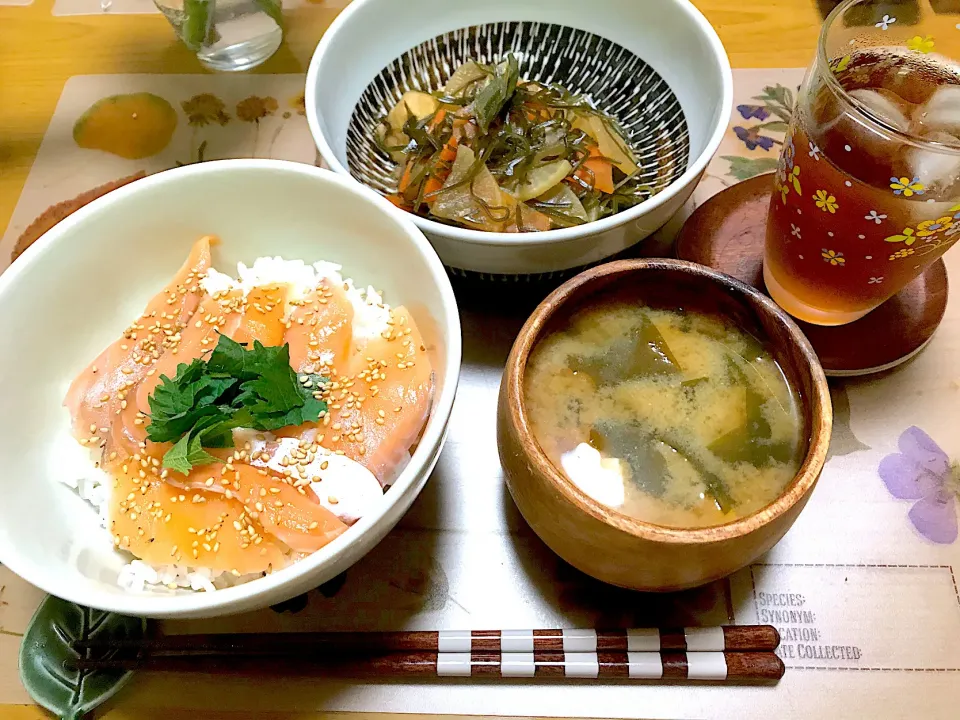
255	108
784	191
956	212
204	109
920	44
825	201
838	65
907	237
833	258
794	177
902	253
907	187
929	228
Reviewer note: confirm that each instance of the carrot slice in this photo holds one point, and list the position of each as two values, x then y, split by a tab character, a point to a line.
432	185
449	151
597	171
437	119
398	201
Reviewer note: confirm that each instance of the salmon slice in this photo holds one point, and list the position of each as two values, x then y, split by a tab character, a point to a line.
162	524
283	510
320	331
263	318
377	410
100	392
214	315
398	376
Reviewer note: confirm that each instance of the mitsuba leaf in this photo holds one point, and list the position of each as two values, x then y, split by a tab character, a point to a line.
237	387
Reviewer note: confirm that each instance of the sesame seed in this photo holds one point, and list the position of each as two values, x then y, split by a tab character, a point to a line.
332	499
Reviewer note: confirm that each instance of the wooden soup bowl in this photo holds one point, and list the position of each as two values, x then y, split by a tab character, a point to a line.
614	547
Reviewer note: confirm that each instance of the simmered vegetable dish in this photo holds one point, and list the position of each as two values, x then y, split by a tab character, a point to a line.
493	152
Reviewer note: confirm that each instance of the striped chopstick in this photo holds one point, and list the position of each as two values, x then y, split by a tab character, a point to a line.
666	666
731	638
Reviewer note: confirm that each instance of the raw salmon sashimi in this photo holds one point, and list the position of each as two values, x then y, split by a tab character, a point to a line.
259	316
379	404
277	495
284	510
214	315
163	524
320	331
103	389
264	316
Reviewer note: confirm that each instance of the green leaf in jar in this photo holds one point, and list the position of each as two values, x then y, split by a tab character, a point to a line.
197	22
47	656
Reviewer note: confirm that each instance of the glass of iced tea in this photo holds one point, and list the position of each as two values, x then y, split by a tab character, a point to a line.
867	190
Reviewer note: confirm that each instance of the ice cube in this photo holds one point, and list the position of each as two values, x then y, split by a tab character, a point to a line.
938	171
884	105
941	112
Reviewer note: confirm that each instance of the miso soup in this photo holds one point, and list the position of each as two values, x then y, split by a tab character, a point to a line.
674	417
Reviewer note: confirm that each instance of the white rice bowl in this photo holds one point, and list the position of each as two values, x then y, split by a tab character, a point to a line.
356	489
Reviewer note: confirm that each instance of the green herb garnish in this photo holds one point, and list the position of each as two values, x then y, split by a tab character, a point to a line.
236	387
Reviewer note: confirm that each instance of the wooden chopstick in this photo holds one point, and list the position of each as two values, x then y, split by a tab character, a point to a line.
666	666
731	638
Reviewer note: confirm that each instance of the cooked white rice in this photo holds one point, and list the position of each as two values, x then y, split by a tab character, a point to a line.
371	316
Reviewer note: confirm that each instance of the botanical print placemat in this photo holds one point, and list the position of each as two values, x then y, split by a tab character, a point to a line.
138	7
107	128
863	588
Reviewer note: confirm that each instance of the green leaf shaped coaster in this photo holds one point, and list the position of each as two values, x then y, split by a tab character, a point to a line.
46	656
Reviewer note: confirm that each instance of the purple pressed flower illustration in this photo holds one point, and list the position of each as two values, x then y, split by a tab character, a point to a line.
921	471
752	138
753	111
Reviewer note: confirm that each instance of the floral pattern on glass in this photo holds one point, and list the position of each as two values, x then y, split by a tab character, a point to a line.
920	44
886	22
906	187
833	258
826	202
931	228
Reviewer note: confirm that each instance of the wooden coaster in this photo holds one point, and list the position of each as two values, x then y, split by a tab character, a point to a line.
727	233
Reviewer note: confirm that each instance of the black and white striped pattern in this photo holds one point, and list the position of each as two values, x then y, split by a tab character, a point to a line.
610	664
574	640
612	77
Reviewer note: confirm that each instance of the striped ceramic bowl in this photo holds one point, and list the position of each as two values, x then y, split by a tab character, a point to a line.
658	67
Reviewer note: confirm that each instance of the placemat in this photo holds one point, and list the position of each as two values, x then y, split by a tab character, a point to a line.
141	7
862	589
